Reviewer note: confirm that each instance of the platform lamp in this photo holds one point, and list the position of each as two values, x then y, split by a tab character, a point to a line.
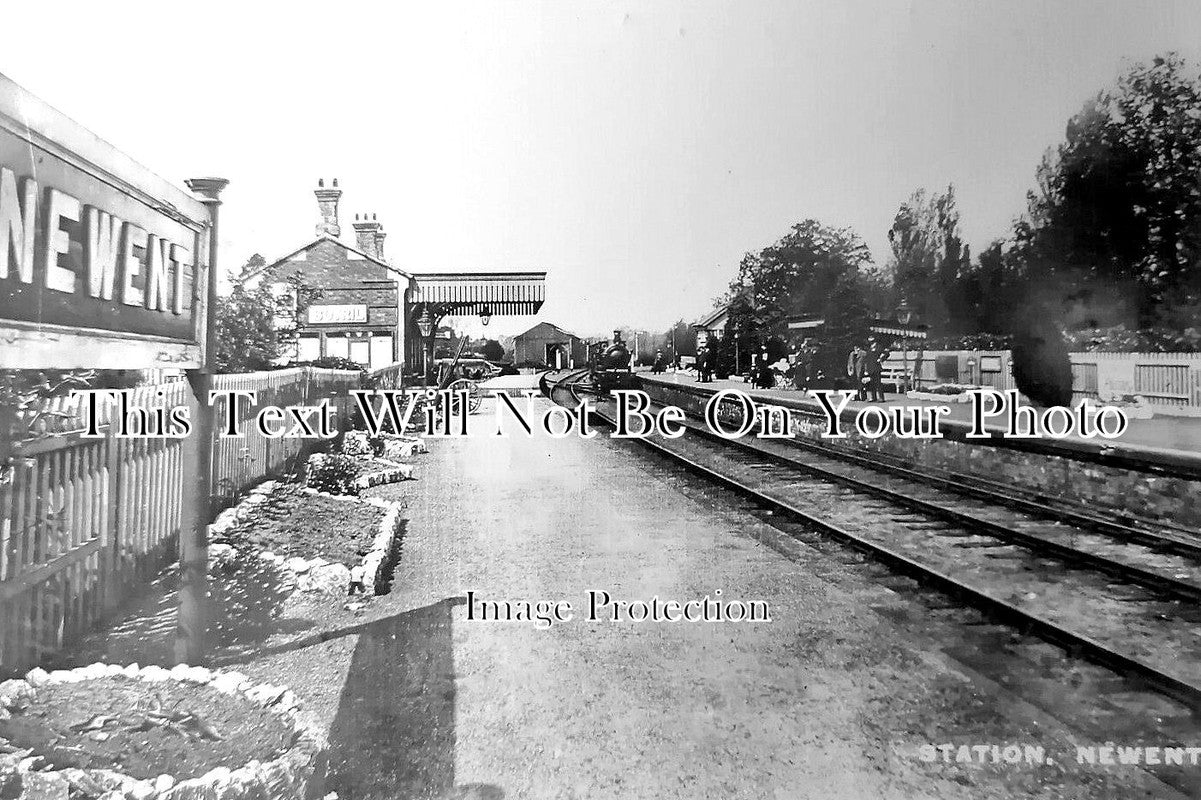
425	326
905	316
485	316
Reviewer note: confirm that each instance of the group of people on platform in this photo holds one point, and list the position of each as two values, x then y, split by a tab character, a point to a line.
799	369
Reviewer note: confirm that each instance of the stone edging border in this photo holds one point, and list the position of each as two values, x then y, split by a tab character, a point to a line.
385	538
374	562
395	473
283	778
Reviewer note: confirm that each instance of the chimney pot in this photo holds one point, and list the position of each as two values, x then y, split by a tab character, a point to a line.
327	204
368	237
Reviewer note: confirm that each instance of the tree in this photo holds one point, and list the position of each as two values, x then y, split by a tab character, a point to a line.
256	327
1113	229
814	269
680	339
929	260
492	350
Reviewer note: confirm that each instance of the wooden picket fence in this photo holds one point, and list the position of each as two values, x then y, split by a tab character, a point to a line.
85	521
1169	381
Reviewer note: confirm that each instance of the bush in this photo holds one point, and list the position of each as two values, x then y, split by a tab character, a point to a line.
334	474
1119	339
330	362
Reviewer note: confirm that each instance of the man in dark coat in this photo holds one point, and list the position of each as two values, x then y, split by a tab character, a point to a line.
660	363
874	367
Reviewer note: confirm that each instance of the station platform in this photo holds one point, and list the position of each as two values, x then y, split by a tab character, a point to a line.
514	385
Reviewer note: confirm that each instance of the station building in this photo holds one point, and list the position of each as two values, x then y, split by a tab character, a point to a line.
361	306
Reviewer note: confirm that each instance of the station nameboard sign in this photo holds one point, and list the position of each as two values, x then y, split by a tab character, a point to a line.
327	314
101	260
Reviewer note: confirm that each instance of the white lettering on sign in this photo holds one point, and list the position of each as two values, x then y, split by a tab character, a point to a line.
108	244
325	314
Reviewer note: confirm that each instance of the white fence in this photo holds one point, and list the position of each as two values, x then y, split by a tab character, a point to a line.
1169	381
84	521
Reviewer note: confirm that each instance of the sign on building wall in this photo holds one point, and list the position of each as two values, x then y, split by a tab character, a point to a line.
327	314
98	256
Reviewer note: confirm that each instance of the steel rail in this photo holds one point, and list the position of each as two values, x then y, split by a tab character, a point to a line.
1160	540
995	607
1072	556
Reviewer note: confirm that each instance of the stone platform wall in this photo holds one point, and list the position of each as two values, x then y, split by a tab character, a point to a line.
1099	476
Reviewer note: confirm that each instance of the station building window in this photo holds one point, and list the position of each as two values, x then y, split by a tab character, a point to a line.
308	348
337	346
360	351
381	351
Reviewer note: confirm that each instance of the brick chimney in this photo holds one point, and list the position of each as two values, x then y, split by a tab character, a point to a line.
369	236
327	203
379	241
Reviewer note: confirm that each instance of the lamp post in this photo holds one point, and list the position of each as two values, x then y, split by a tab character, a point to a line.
904	316
737	356
425	325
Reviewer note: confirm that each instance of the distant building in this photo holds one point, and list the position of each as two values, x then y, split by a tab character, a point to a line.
369	310
355	311
551	345
712	326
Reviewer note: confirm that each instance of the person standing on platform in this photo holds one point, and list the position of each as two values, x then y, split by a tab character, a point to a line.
802	366
660	364
762	375
874	367
856	370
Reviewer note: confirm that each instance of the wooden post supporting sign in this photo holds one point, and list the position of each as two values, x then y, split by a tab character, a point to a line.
192	619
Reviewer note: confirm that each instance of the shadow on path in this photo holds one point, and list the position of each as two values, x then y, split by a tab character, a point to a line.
393	735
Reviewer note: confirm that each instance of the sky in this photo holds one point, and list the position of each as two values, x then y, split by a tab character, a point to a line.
634	151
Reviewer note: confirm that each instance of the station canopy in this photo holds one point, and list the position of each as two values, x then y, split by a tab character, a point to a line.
505	294
891	327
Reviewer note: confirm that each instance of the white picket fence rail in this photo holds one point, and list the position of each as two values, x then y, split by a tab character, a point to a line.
1169	381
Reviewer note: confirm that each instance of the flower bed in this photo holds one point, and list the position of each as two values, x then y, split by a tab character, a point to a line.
112	732
317	537
341	474
290	521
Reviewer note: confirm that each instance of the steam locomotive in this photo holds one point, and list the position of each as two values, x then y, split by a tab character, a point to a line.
610	365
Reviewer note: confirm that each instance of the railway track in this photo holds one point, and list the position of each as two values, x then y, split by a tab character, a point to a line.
1126	603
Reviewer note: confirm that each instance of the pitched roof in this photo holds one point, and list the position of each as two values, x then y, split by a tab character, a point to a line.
705	322
365	256
548	324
